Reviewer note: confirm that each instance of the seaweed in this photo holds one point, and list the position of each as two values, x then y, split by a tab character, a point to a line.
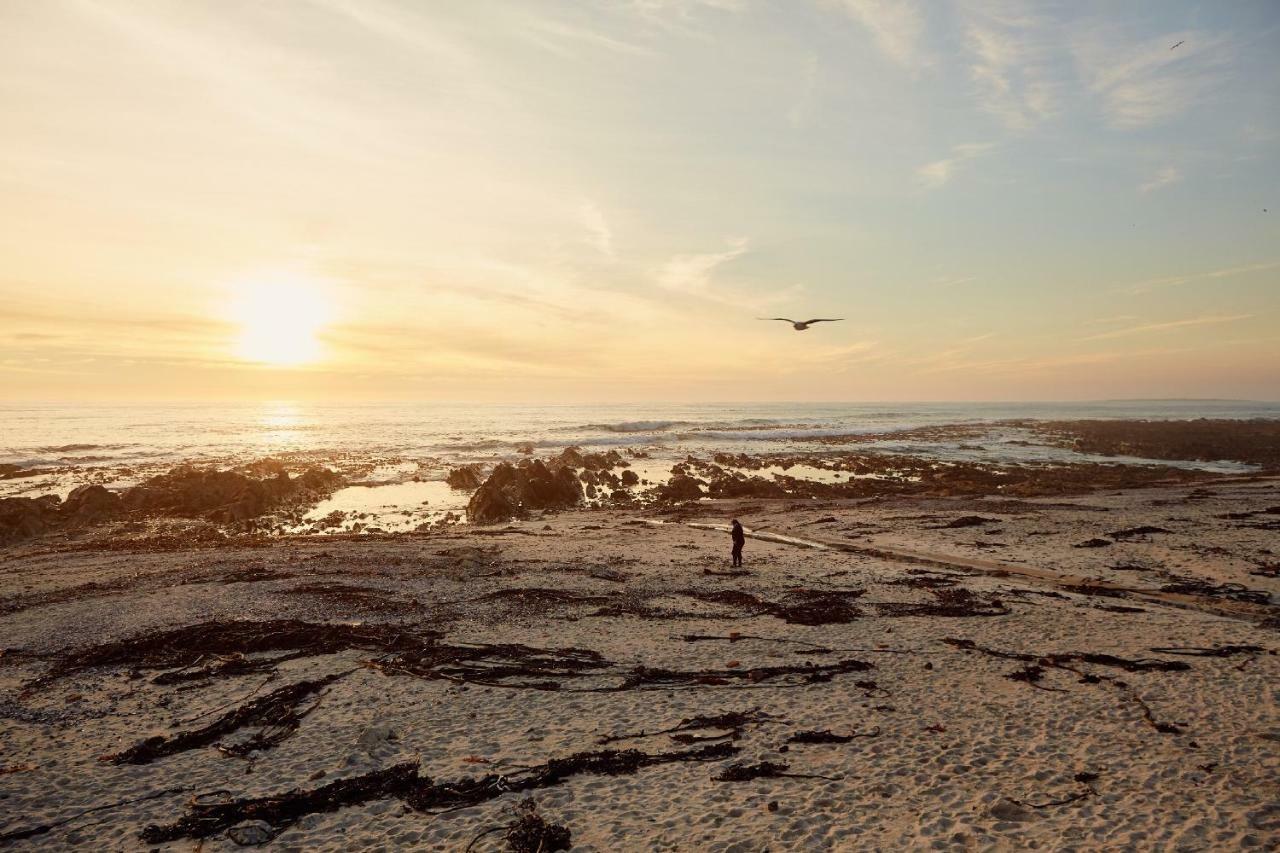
401	781
733	722
654	678
956	602
763	770
825	736
277	713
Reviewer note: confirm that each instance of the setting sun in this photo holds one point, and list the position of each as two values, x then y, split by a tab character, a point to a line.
280	317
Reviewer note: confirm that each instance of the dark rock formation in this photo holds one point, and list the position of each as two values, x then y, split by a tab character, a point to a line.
226	496
681	487
23	518
511	491
467	477
90	505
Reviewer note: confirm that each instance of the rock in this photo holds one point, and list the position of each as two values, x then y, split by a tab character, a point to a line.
512	491
570	456
90	505
23	518
630	478
226	496
526	448
969	521
251	833
1093	543
1010	811
681	487
467	477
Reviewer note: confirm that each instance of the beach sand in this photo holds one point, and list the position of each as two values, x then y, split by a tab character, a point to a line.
1079	752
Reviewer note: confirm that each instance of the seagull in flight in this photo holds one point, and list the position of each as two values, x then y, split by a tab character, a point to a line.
799	326
1184	41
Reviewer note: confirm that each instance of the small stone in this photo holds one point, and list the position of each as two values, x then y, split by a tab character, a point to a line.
773	805
377	736
1009	810
251	833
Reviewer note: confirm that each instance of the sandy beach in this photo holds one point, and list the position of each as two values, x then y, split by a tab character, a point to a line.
1093	671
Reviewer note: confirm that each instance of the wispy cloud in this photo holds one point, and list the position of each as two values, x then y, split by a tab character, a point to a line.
1165	177
1145	328
1144	82
939	172
691	274
1172	281
895	26
1010	49
694	275
599	234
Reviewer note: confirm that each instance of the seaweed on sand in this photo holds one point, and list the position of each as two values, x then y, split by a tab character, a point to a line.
954	602
277	713
763	770
1034	666
654	678
419	793
825	736
731	722
191	645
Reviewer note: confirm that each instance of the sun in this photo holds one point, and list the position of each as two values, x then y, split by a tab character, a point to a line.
280	318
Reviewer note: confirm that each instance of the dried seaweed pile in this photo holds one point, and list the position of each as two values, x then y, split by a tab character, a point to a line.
956	602
219	642
1034	667
349	597
402	782
825	736
732	723
278	714
494	665
654	678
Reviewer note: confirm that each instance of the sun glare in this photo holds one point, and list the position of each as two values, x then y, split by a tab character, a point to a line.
280	319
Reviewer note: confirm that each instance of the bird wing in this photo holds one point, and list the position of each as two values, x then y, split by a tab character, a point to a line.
784	319
823	320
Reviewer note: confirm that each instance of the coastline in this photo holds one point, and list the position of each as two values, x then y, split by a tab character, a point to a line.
984	653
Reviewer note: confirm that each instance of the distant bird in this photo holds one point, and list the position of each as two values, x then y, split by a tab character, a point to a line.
800	327
1184	41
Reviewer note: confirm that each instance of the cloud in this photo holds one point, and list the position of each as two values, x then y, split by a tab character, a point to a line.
1010	50
1170	324
938	173
1142	83
895	26
1165	177
1174	280
691	274
600	236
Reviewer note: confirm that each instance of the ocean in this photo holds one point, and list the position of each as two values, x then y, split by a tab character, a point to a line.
402	451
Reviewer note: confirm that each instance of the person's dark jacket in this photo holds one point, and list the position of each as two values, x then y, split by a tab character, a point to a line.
739	538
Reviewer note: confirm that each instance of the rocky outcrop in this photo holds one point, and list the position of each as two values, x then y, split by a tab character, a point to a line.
226	496
512	491
681	487
26	518
467	477
90	505
23	518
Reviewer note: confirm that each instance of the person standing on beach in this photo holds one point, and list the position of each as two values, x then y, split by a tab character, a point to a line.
739	539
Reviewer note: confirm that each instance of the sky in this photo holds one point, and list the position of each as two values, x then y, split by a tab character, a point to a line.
551	201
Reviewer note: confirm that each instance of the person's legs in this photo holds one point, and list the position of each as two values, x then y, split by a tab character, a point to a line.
737	555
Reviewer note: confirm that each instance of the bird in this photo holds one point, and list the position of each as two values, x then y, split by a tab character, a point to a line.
1179	43
799	326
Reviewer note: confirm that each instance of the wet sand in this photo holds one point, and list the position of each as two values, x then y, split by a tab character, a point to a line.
1039	673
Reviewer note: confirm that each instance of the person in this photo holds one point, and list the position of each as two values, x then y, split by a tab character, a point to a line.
739	539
